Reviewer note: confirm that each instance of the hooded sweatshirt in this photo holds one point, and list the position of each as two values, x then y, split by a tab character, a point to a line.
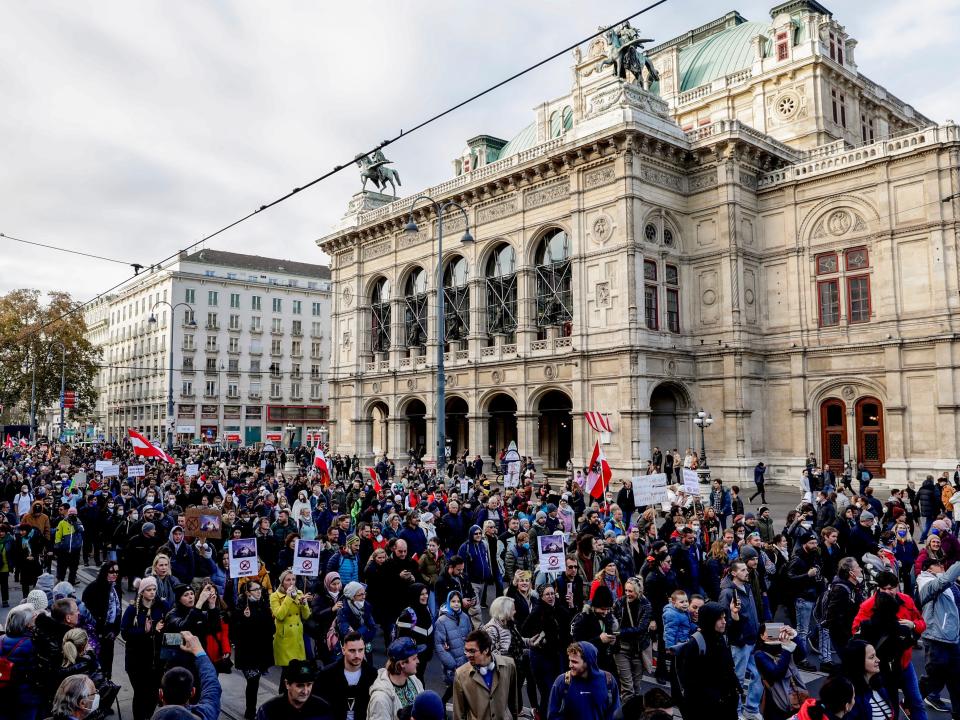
477	556
593	696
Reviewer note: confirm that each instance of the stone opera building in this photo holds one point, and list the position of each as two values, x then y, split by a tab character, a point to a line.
763	233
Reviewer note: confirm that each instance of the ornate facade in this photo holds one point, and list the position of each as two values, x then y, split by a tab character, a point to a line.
762	234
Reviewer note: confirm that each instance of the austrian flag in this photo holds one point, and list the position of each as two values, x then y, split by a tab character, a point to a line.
320	462
144	448
599	475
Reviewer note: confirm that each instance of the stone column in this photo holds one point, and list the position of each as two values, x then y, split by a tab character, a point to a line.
363	439
528	436
477	337
479	431
526	309
398	437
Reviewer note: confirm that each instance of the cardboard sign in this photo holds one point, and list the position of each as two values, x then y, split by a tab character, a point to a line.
552	553
203	522
193	469
649	489
79	479
101	464
691	482
111	470
136	470
243	558
306	557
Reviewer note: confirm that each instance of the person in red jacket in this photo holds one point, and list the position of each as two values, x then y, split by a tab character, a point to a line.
911	625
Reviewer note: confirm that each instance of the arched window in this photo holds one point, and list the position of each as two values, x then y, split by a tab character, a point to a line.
501	274
554	293
456	295
380	311
415	315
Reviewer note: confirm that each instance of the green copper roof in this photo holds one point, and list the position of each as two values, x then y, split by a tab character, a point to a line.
718	55
526	138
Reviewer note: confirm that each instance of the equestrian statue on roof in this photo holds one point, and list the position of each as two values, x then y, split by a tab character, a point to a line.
374	167
626	54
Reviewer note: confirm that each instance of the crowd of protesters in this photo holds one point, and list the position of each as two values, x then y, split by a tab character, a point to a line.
712	607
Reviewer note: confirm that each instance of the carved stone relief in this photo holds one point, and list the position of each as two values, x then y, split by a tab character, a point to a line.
545	194
603	175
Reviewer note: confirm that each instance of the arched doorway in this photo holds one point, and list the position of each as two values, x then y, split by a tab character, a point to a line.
869	425
456	426
502	425
556	429
664	428
833	432
379	441
416	415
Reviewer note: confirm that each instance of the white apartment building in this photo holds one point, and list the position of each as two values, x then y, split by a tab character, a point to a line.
250	345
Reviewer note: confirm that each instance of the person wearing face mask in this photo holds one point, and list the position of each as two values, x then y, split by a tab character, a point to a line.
906	551
863	538
844	597
76	699
23	501
357	614
452	627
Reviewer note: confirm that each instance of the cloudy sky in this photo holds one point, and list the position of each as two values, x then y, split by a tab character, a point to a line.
131	128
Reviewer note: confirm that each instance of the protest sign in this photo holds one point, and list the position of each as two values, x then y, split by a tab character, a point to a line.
204	522
79	479
649	489
306	557
551	553
691	482
136	471
193	469
110	470
100	465
243	558
464	486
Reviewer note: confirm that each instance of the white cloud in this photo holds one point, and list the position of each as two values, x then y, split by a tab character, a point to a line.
133	128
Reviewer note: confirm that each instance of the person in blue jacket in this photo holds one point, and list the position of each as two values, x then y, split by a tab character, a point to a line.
584	692
476	553
450	637
177	687
356	614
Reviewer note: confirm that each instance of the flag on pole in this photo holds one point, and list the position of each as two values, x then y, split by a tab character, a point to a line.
598	479
23	442
600	422
9	441
377	487
320	462
144	448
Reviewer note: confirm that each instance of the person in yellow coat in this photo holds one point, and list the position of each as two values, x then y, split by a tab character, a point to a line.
290	608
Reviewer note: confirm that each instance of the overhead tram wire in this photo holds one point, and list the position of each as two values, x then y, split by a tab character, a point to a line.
136	266
336	169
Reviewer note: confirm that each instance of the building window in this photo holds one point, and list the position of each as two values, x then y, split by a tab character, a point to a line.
858	298
783	51
275	370
833	50
833	101
188	364
315	348
233	365
456	296
314	391
190	295
188	342
276	325
188	317
211	365
315	309
234	322
554	283
278	305
316	329
234	300
254	412
233	389
826	263
380	310
211	389
212	321
295	390
501	286
828	297
234	345
212	343
415	315
275	347
254	302
275	390
212	298
295	347
187	388
314	371
856	259
672	279
296	307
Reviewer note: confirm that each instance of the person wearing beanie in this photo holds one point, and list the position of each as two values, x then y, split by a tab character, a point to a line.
38	599
428	706
345	562
705	669
863	538
596	625
138	628
356	614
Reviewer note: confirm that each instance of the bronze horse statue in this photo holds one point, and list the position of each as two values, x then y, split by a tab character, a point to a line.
374	167
626	55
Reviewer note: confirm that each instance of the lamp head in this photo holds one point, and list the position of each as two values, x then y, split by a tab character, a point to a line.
411	227
192	323
153	319
701	414
467	238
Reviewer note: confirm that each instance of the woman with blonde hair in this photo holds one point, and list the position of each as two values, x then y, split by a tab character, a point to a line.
161	571
523	595
290	608
79	658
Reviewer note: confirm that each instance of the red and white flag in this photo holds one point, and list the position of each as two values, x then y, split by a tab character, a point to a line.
144	448
23	442
598	479
9	441
377	487
320	462
600	422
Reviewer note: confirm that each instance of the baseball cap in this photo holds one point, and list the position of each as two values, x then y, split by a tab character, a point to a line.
299	671
403	648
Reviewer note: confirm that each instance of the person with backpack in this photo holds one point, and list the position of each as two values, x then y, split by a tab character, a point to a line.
584	692
938	602
806	580
705	670
836	609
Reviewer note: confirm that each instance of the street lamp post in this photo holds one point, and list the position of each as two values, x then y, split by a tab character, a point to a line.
153	321
703	421
411	227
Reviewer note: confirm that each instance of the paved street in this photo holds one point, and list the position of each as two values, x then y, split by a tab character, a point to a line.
781	501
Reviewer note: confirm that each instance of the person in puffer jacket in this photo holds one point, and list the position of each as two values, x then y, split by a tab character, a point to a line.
450	636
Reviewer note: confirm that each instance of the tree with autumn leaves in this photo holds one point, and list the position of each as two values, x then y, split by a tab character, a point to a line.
32	329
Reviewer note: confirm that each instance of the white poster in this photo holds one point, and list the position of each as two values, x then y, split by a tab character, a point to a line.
691	482
193	469
512	478
464	486
551	553
649	489
79	479
306	557
101	464
110	470
136	470
243	558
